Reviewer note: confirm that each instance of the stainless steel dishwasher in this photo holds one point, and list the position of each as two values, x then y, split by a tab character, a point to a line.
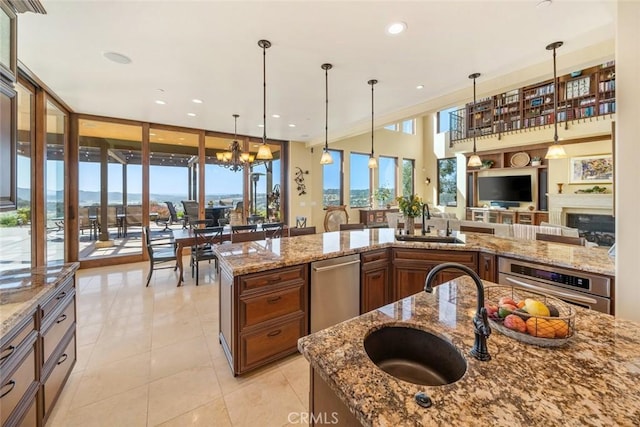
335	291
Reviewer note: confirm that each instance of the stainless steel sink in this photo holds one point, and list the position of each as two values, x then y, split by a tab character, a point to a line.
415	356
427	238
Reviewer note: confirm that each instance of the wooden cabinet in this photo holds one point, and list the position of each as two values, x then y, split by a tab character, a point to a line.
411	266
375	286
262	315
487	268
36	358
497	216
374	217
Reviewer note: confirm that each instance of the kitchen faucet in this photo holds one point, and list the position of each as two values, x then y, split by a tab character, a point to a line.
427	229
481	326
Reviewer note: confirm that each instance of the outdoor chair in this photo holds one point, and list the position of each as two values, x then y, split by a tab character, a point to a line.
206	239
159	252
191	210
167	221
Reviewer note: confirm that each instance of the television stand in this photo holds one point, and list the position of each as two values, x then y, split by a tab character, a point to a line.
503	216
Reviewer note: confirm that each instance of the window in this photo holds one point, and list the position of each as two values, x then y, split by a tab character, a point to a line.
409	127
447	185
332	180
408	177
359	192
444	119
387	175
393	127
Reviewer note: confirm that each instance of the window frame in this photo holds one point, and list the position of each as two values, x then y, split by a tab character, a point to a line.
394	191
334	154
366	156
455	172
413	176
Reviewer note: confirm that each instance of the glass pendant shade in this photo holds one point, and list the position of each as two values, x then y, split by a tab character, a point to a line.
264	152
373	163
326	158
474	161
220	156
555	151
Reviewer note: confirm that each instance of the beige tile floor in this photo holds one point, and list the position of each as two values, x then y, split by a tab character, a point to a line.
151	357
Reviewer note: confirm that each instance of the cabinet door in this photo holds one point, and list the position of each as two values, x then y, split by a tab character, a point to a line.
525	218
374	289
409	280
487	267
507	217
541	217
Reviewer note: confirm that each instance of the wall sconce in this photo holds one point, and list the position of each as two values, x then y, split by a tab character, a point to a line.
427	180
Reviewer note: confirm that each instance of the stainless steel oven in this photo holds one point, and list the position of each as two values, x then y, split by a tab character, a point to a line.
578	288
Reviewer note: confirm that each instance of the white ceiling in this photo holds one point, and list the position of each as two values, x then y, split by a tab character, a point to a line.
208	50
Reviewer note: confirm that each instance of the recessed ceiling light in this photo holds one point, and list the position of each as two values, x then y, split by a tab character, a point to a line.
160	102
291	125
191	114
420	87
396	28
275	116
117	57
197	101
260	125
543	3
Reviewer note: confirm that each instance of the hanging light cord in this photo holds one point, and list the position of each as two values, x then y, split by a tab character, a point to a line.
475	129
372	82
264	93
326	106
235	126
555	99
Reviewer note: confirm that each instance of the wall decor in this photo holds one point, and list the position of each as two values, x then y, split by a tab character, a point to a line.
299	179
591	169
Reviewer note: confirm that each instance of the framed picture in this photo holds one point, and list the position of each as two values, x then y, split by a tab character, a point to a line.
591	169
536	102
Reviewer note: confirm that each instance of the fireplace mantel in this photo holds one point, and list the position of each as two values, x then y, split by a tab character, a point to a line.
560	204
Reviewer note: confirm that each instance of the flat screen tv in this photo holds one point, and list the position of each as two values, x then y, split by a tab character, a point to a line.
516	188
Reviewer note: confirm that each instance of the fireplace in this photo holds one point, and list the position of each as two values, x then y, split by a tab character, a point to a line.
599	229
591	214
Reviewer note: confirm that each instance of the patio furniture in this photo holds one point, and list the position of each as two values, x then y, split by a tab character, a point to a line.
167	221
159	253
191	210
206	239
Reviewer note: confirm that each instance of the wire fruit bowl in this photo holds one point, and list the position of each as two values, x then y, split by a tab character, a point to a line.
545	331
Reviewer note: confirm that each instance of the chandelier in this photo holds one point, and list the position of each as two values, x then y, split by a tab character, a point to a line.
235	158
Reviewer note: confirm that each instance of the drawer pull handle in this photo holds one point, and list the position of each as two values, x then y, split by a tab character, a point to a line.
62	318
275	279
11	383
274	333
273	300
62	359
62	295
9	351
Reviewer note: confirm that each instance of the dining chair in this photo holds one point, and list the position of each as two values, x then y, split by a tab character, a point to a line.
206	239
243	228
160	251
470	229
248	236
357	226
301	231
335	216
579	241
273	229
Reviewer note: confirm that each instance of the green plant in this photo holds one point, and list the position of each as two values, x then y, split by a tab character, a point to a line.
9	220
487	163
410	206
536	159
382	194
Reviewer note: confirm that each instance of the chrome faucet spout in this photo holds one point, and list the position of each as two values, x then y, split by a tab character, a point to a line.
481	327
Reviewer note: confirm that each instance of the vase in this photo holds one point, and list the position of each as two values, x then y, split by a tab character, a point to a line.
410	225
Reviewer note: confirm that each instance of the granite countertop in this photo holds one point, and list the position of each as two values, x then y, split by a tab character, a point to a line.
22	289
592	380
250	257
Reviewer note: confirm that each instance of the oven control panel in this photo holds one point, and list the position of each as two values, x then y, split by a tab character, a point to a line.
551	276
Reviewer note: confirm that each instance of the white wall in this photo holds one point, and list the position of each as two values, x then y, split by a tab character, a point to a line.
627	153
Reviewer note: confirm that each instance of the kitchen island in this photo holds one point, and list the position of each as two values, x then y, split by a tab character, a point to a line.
593	380
264	285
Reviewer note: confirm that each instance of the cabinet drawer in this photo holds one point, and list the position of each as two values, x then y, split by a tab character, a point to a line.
50	305
54	383
374	256
270	343
258	309
61	324
30	418
256	281
15	385
10	346
462	257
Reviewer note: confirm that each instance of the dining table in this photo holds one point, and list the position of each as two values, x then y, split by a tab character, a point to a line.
185	238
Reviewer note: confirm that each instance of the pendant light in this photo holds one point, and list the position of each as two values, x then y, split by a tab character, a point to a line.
264	152
373	163
235	158
474	160
556	150
326	158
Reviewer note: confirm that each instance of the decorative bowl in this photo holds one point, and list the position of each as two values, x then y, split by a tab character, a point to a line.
545	331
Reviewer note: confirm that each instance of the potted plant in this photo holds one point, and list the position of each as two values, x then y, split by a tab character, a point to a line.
382	195
411	207
536	161
486	164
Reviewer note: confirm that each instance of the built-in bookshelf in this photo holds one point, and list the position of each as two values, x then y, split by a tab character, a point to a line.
582	94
